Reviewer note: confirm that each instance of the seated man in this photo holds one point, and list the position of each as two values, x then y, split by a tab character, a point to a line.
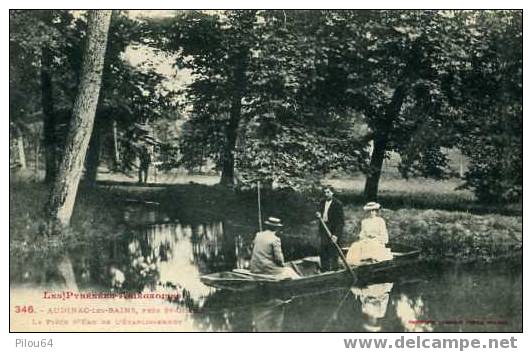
267	257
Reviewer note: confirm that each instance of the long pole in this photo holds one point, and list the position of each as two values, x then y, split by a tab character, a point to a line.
334	316
258	201
338	249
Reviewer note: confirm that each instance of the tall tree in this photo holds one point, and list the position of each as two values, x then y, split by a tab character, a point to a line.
320	83
392	67
252	112
217	49
293	137
34	45
63	193
46	54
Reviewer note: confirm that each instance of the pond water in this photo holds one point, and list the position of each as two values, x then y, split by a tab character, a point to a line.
157	253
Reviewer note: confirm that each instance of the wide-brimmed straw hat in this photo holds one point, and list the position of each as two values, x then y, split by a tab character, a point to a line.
372	206
276	222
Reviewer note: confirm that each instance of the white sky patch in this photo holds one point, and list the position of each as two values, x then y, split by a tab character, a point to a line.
151	13
147	58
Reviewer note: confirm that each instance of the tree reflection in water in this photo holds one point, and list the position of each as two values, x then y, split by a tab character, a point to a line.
175	255
182	246
409	311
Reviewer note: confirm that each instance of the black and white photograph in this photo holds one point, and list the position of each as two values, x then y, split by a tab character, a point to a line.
266	170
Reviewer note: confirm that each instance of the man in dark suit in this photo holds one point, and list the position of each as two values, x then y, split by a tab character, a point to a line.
332	213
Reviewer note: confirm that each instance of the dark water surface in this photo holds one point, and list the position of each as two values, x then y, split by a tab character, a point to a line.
160	253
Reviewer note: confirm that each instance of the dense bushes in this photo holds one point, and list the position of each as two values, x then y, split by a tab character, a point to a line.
496	179
450	235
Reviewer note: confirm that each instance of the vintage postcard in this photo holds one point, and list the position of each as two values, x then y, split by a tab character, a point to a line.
266	171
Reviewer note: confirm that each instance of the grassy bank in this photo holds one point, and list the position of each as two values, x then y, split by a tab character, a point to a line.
443	235
396	193
94	219
421	193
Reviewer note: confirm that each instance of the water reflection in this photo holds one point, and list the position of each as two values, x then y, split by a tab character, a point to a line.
269	316
53	271
185	255
374	303
172	256
163	255
410	312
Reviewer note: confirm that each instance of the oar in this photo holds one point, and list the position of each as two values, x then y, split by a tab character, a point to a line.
342	256
334	316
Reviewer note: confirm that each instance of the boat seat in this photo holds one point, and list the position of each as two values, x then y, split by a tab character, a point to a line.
259	276
241	271
311	260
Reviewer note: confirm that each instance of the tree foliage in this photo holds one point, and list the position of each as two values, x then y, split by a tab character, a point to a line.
490	103
130	94
410	74
285	96
253	97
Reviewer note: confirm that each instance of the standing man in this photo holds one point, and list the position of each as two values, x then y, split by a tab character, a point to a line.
145	160
332	213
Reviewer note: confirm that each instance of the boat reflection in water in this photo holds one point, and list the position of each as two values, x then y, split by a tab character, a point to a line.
269	316
374	303
376	307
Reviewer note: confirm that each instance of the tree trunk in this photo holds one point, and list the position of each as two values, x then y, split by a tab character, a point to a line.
21	153
231	132
375	166
228	159
93	157
20	149
66	270
380	143
63	195
115	145
49	122
461	162
37	152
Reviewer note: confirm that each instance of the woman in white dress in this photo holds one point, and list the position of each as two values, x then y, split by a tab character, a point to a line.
373	238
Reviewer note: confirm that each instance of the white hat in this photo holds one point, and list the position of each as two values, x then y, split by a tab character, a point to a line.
274	222
372	206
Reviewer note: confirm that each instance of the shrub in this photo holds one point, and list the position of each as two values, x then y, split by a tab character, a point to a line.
454	235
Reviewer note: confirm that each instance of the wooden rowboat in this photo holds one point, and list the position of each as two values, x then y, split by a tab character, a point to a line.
310	276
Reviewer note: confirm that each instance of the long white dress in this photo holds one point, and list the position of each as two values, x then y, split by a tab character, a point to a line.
371	246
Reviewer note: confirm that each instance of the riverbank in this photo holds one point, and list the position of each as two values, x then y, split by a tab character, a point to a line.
30	244
396	193
449	236
442	235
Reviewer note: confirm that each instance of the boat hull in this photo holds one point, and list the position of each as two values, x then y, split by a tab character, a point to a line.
311	279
